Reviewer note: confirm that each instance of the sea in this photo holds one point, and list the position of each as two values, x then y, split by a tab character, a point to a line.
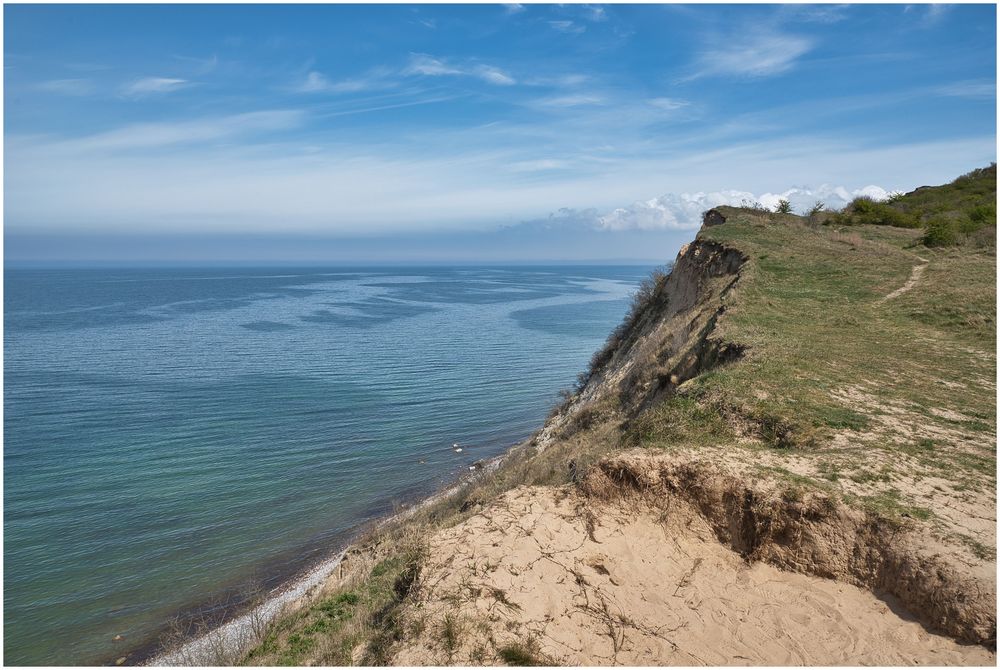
175	436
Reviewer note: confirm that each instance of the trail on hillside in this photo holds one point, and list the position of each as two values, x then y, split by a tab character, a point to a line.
915	275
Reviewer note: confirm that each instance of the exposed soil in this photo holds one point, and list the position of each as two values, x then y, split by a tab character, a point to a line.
607	576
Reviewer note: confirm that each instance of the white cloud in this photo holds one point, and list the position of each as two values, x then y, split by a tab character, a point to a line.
760	54
317	82
67	86
492	75
314	83
153	86
560	81
595	14
833	197
513	8
429	66
567	27
668	104
682	211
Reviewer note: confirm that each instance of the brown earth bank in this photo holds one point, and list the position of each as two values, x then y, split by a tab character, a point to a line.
558	576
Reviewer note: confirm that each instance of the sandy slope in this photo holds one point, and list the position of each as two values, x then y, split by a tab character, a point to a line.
600	583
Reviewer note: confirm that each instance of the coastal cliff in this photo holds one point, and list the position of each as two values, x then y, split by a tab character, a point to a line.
784	455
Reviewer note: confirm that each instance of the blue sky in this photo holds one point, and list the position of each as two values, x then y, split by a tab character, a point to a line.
466	133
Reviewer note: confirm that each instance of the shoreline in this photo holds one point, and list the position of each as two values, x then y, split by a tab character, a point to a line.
235	634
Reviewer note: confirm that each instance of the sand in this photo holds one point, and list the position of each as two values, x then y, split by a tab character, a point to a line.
583	582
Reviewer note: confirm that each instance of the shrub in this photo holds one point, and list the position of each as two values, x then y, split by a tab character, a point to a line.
817	208
864	210
980	216
783	207
753	205
940	233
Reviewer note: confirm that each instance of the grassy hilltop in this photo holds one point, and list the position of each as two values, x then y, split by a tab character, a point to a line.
870	358
837	369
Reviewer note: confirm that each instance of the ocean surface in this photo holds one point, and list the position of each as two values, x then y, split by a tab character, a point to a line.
173	435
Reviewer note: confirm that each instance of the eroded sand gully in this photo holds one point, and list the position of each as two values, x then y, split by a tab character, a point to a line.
623	582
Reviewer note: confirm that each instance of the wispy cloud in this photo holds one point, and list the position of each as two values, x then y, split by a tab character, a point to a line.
153	86
759	54
559	81
668	104
595	13
815	13
513	8
317	82
569	27
935	13
540	165
572	100
77	87
969	89
429	66
139	136
928	15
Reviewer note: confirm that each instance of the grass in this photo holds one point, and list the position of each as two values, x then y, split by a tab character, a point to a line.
522	654
890	505
361	617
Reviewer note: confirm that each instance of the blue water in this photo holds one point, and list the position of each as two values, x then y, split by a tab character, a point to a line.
170	434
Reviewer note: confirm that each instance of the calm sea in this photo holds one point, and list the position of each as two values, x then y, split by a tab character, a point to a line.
173	434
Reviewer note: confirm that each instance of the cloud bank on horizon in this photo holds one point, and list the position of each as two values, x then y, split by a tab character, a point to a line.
282	120
683	211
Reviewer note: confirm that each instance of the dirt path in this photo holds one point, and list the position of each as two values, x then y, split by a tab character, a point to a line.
918	270
622	584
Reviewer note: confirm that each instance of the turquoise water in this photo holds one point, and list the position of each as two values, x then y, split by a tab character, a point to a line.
173	434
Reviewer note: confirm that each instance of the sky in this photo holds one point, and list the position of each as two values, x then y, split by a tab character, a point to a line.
468	133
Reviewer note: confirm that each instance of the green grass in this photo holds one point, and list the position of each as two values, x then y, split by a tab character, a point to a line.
890	505
521	654
330	629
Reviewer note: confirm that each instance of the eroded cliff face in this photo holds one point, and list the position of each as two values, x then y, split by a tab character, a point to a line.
813	534
670	339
